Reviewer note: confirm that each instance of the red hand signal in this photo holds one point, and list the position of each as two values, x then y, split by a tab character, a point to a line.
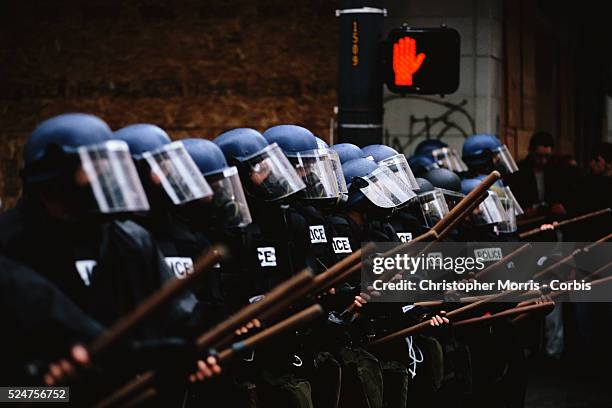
405	60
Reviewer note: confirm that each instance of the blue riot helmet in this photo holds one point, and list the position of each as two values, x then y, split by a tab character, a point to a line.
484	153
163	162
491	210
347	152
421	165
265	171
432	202
448	183
396	162
427	146
445	156
73	157
314	165
379	185
230	208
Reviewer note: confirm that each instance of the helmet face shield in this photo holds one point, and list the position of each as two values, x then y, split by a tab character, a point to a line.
384	189
270	175
316	169
504	160
518	210
490	211
337	165
448	158
452	197
508	224
433	206
177	173
399	165
506	192
228	199
113	178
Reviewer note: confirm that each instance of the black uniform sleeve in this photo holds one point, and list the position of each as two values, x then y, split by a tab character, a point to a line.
39	321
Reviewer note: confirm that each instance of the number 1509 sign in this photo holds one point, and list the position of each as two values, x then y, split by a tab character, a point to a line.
422	60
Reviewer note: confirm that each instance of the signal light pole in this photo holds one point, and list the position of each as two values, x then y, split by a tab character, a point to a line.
360	104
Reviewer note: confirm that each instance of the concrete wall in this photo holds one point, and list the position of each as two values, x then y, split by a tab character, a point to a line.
475	107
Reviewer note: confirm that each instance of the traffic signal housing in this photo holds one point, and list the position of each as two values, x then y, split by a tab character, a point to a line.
422	60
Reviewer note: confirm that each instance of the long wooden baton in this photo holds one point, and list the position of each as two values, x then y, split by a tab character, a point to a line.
207	339
445	225
257	339
151	304
555	294
120	395
506	313
250	343
560	224
466	212
453	313
566	259
253	310
467	201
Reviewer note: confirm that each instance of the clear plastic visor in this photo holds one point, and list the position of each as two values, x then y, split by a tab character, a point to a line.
316	169
113	178
508	224
449	159
506	192
385	190
337	165
399	165
490	211
229	198
178	174
433	206
504	159
452	197
271	176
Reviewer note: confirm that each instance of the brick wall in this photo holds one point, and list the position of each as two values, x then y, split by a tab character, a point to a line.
193	67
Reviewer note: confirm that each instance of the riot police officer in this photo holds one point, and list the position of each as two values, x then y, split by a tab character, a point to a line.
316	169
408	221
445	156
279	247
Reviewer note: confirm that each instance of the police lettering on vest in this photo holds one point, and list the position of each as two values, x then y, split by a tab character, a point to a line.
488	254
341	245
404	236
317	234
180	266
267	256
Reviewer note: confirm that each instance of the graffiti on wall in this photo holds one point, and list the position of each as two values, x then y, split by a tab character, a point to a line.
450	118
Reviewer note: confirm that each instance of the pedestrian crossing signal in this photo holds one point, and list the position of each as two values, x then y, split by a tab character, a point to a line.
422	60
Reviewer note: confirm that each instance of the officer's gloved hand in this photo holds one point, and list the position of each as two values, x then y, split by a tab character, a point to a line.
175	359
